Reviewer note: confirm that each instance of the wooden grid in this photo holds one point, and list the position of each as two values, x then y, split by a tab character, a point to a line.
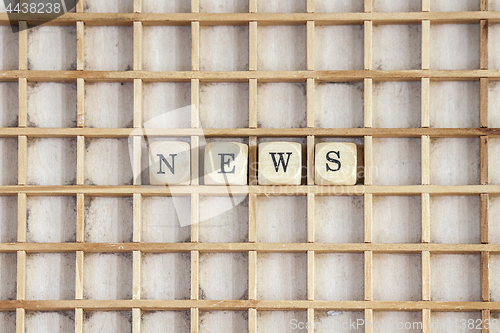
253	19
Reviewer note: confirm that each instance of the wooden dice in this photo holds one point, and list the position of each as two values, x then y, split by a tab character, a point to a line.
169	163
226	163
280	163
335	163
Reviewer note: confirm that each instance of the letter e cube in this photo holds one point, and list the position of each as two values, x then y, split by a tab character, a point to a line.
226	163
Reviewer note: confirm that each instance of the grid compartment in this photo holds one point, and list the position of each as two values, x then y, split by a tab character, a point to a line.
51	104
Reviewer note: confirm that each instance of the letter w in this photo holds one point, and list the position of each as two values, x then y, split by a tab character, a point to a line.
164	160
280	161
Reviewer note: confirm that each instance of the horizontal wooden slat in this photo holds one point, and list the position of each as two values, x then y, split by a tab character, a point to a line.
148	190
245	132
245	247
260	18
233	305
244	76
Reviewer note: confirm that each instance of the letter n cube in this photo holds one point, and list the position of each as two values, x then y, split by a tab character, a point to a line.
280	163
335	163
169	163
226	163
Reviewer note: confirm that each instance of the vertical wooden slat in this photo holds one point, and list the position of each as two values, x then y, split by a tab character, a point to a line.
425	160
484	5
80	103
252	160
310	103
426	44
310	217
195	46
426	218
20	320
137	218
137	46
194	320
252	275
310	160
23	45
252	321
80	256
486	320
310	275
195	260
368	217
137	6
195	103
137	103
23	102
79	6
368	6
252	218
483	44
367	103
369	321
136	272
252	103
368	271
426	276
310	319
426	5
485	218
252	47
252	6
21	217
426	321
425	102
485	276
78	320
80	217
368	142
195	6
310	6
483	148
80	44
368	45
22	159
483	102
310	45
80	160
136	320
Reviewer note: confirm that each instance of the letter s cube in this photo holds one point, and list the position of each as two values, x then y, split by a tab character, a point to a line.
335	163
226	163
280	163
169	163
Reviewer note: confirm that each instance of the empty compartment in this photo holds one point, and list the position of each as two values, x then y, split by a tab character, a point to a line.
9	41
397	219
494	220
166	105
277	6
396	321
223	321
107	276
51	104
397	277
448	40
165	276
454	104
101	55
56	322
166	6
338	321
281	219
223	276
8	321
396	104
165	322
287	102
451	322
338	105
396	6
224	48
224	105
281	276
494	104
224	6
338	47
455	277
52	48
328	6
339	277
456	6
455	219
109	104
166	48
8	165
281	48
338	219
8	278
223	219
9	103
396	161
397	47
454	161
107	162
108	219
51	161
280	321
109	321
110	6
50	276
8	219
166	219
51	219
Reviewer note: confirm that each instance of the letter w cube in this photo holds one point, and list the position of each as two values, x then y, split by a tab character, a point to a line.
280	163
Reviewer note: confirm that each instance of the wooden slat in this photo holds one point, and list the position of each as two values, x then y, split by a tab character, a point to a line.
485	201
368	49
195	313
310	45
23	45
80	103
414	248
252	103
80	46
243	305
484	5
136	320
426	276
367	103
425	161
368	141
483	44
252	218
369	319
80	160
80	217
137	218
483	102
485	276
483	165
310	159
310	319
425	102
368	217
137	6
195	46
426	321
426	43
426	5
195	261
310	217
195	103
79	275
136	275
21	217
20	321
310	275
195	6
252	47
78	320
195	214
486	320
23	102
137	46
310	103
368	6
137	160
137	103
426	218
368	275
252	321
252	161
252	275
195	159
310	6
252	6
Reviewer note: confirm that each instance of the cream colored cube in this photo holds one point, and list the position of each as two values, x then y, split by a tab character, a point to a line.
280	163
226	163
169	163
335	163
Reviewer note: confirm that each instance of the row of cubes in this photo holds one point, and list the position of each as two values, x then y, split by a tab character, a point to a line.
226	163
